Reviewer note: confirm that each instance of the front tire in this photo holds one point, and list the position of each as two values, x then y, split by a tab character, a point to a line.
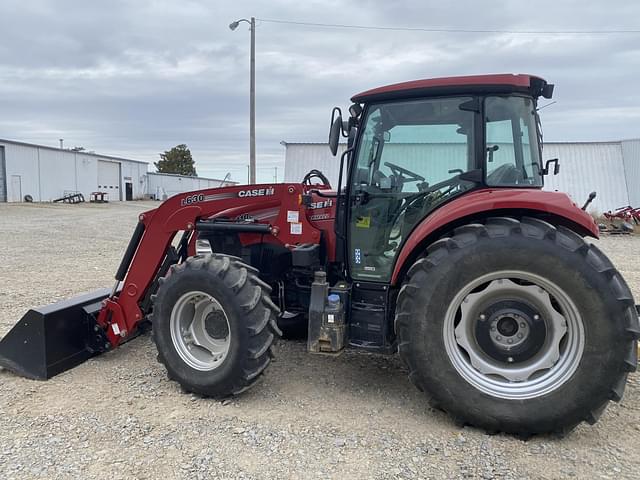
214	325
517	326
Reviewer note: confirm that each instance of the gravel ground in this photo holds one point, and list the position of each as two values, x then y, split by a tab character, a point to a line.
355	416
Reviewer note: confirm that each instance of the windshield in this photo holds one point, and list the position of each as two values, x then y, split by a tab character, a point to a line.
513	155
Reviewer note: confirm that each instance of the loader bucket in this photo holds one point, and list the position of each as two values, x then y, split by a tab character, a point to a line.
52	339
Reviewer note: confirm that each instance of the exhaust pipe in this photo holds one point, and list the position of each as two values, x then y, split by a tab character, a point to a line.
55	338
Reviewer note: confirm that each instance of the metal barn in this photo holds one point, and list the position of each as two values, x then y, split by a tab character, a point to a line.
47	173
612	169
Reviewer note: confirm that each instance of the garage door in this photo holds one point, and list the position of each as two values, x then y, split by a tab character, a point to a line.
3	177
109	179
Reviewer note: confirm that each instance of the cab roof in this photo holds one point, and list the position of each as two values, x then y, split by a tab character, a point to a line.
497	83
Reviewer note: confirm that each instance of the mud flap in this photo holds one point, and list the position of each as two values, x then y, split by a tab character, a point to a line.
52	339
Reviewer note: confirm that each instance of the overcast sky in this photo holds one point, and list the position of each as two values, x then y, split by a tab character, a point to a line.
134	78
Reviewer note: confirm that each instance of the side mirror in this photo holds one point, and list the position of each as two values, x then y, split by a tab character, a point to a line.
491	150
556	167
335	130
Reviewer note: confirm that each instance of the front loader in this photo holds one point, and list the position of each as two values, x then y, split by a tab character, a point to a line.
437	243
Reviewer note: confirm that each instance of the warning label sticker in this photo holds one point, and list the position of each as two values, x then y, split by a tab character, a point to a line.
363	222
293	216
296	229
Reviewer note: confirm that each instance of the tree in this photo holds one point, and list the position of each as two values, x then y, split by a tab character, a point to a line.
177	160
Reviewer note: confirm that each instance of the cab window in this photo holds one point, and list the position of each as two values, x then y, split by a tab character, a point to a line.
512	155
409	161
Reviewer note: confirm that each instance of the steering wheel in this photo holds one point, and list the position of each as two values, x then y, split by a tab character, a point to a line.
450	182
400	171
316	174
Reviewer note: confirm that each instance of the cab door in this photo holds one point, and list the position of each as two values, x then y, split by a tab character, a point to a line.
408	162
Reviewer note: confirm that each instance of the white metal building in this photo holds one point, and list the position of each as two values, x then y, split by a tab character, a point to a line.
612	169
48	173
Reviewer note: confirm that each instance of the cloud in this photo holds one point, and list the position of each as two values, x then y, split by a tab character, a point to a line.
136	78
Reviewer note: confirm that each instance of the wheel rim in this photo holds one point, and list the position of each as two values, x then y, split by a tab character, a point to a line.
200	331
514	335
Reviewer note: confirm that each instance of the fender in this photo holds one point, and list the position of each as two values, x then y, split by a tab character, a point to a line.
495	202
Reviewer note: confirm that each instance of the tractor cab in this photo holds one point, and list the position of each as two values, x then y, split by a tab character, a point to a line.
415	146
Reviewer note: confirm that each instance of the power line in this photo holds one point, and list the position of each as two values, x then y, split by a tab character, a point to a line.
454	30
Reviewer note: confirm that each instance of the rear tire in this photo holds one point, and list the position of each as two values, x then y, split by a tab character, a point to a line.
214	325
571	363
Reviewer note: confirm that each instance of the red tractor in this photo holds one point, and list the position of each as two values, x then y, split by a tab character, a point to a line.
438	243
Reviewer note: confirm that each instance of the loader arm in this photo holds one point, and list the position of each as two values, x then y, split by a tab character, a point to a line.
52	339
189	212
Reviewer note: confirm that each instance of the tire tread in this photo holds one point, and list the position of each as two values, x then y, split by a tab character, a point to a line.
251	295
562	237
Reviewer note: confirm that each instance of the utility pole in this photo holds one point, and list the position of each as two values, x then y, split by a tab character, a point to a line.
252	105
252	97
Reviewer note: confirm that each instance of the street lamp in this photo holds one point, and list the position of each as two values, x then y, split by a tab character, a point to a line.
252	97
